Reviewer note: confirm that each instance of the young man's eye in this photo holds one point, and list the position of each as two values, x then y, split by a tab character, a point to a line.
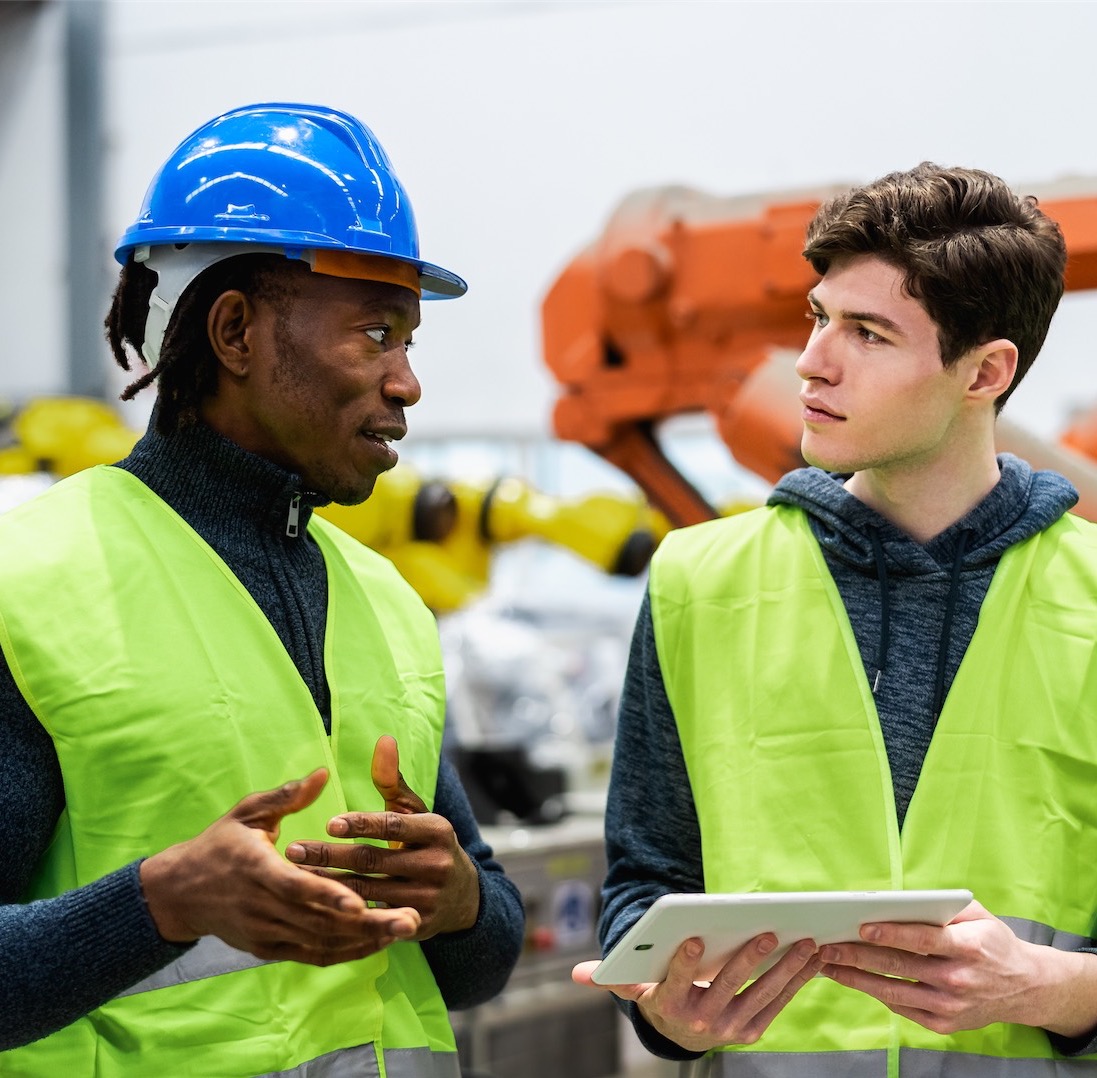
378	333
817	317
869	335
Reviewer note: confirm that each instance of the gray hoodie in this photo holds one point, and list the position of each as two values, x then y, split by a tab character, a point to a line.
913	607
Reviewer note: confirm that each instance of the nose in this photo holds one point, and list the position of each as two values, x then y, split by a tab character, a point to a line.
817	358
400	384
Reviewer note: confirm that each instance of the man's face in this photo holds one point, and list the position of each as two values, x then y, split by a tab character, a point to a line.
329	381
875	393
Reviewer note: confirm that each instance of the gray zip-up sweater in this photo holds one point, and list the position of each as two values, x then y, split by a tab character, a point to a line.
913	608
61	958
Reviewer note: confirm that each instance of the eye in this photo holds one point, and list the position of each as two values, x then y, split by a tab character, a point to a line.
820	319
869	336
377	333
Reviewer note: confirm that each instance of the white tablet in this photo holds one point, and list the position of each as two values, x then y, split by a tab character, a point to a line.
726	921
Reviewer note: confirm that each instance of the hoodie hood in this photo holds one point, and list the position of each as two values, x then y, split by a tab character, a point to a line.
956	566
1023	503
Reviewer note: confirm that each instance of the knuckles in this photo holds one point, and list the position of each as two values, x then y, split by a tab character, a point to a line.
393	826
365	858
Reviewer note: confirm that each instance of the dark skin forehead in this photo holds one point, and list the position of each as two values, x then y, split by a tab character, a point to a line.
294	283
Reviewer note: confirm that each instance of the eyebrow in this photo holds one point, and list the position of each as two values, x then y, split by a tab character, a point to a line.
861	316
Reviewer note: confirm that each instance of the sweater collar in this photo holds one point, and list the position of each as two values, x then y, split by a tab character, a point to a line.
204	476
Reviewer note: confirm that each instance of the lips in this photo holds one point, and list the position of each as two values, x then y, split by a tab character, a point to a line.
389	432
815	409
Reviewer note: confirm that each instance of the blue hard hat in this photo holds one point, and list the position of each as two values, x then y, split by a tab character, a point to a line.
285	176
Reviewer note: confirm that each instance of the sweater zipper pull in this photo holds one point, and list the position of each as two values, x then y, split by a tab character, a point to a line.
294	516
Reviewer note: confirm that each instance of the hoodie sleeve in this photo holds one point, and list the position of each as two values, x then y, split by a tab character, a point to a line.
653	840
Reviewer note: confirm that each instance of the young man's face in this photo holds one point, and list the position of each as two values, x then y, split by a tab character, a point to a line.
875	393
329	382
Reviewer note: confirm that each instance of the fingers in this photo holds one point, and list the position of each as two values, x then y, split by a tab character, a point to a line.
776	988
924	939
389	782
404	834
732	1009
230	882
265	810
385	768
325	943
684	968
885	961
728	1000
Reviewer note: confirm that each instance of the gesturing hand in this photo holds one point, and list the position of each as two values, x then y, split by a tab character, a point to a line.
423	865
725	1012
230	882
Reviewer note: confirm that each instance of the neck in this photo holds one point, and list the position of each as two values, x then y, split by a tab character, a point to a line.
925	499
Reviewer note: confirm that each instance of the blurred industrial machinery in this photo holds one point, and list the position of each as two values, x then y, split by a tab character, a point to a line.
692	303
440	533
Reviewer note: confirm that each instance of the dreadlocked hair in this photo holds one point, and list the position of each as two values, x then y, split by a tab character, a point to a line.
187	368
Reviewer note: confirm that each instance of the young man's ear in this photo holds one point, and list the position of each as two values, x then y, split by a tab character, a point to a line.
227	322
995	368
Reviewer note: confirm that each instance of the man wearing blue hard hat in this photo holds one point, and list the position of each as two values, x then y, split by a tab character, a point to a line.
182	634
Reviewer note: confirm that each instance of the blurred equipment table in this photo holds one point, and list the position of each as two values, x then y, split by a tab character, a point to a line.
543	1025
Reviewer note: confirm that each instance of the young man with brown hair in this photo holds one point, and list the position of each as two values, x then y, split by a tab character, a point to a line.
884	679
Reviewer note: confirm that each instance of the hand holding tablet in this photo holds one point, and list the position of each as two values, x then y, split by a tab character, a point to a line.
724	922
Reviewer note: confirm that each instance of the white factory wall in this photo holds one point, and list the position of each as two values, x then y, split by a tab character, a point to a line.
519	126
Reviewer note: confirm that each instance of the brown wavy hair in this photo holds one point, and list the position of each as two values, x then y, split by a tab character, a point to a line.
984	262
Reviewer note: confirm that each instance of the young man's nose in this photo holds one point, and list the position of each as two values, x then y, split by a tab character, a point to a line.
817	358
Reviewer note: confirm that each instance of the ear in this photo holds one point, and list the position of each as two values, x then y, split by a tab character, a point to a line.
994	366
226	324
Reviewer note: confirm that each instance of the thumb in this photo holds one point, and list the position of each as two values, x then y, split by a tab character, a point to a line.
264	811
583	974
389	782
973	911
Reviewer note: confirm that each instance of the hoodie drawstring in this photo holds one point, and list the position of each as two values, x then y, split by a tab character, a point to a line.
946	628
885	607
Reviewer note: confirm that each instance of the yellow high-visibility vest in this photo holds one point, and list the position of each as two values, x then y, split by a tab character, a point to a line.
169	696
790	776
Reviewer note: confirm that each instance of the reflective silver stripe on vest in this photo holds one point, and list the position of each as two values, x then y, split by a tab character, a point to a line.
913	1063
361	1062
1035	932
209	957
421	1063
919	1063
872	1064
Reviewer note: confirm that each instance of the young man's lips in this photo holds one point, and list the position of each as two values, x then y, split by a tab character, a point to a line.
813	409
